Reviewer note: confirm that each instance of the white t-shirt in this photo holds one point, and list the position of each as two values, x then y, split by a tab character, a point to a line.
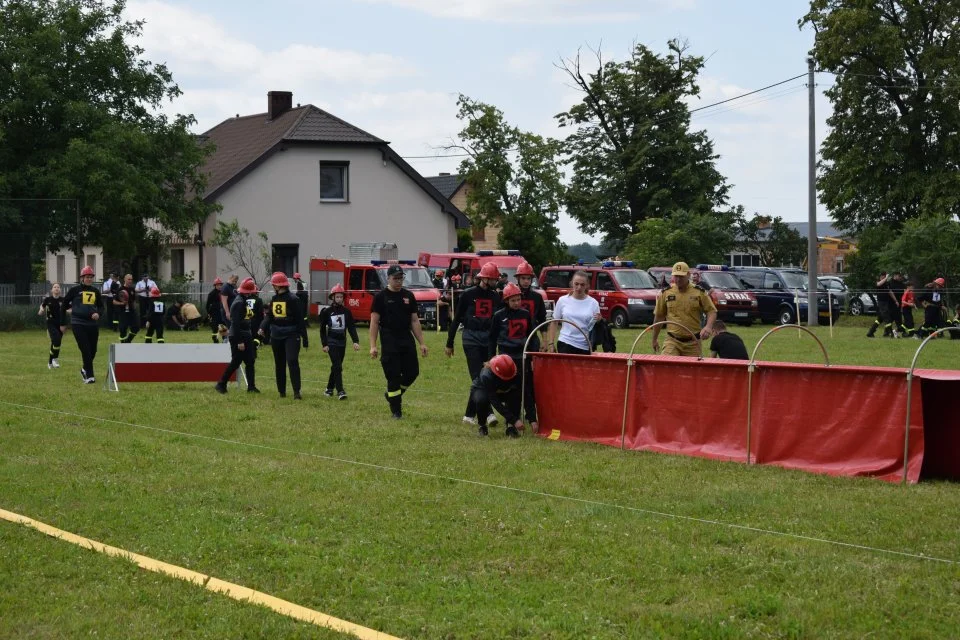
579	311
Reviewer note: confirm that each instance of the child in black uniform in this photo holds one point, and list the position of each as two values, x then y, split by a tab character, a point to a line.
85	305
241	338
498	386
335	322
511	327
155	313
52	307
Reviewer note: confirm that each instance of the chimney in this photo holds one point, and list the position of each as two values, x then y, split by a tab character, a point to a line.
278	102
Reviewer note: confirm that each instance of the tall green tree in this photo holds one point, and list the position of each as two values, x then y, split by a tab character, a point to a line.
80	119
770	237
893	152
515	181
927	248
632	153
682	235
865	264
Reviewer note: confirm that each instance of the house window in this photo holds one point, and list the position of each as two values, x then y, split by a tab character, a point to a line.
286	258
92	261
479	233
176	263
334	182
839	265
61	268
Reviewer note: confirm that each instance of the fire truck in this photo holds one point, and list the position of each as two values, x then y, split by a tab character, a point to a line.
363	281
507	261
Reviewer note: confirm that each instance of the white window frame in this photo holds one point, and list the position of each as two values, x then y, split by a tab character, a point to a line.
344	168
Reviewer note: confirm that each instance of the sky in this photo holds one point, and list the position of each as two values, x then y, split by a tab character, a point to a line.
395	68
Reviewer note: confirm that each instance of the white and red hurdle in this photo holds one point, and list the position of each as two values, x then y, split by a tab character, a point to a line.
167	363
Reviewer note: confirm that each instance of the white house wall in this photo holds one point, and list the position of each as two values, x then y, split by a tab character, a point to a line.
282	198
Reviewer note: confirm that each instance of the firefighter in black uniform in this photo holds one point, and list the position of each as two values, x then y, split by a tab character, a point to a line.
52	308
498	386
155	316
474	310
335	322
304	297
241	338
84	305
532	301
283	322
255	304
393	317
215	311
126	307
509	331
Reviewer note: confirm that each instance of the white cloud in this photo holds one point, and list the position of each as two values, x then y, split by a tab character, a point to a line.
539	11
524	64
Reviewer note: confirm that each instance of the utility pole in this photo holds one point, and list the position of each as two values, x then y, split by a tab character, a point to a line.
812	306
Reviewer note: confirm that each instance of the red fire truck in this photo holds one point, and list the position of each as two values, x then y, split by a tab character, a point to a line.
507	261
363	281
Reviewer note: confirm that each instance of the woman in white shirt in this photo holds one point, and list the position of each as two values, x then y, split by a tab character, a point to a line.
577	307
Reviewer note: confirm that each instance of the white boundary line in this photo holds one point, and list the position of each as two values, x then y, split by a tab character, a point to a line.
229	589
490	485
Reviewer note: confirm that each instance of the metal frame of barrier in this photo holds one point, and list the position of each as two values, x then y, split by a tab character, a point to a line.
526	344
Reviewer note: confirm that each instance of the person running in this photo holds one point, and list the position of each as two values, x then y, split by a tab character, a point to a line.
509	331
84	304
240	337
727	345
474	310
52	308
498	387
886	300
125	301
283	322
335	322
577	307
215	311
155	317
394	320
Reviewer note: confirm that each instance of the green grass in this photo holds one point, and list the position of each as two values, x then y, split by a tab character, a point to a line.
422	530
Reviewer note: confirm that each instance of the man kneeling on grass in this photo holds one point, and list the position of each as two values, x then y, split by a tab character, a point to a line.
726	344
498	387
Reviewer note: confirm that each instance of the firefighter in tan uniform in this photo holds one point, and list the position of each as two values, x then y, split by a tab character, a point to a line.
682	303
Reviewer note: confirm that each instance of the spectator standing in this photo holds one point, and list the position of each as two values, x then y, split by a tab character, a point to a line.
52	308
394	320
335	322
143	288
727	345
474	310
214	310
240	337
84	304
577	307
683	304
283	322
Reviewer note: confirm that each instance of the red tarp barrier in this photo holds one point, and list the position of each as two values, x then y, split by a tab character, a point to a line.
835	420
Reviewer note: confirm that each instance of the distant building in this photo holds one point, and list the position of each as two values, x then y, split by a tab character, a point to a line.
455	188
833	246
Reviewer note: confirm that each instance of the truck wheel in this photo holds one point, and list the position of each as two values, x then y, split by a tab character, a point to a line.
619	319
786	316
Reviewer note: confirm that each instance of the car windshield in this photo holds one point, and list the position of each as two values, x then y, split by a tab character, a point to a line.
720	280
633	279
417	278
798	280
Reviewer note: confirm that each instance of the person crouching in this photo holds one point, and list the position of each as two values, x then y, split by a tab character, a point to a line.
240	337
498	387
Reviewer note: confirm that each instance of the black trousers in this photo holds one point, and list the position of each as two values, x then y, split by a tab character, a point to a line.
286	353
87	337
143	305
336	353
129	325
112	320
529	402
56	339
476	356
401	369
155	329
563	347
907	313
247	357
481	399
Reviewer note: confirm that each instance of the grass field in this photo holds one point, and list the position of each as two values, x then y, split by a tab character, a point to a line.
420	529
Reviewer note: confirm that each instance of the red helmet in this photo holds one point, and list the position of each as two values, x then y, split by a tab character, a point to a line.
248	286
503	366
456	278
296	276
279	279
489	270
524	269
86	271
217	281
940	281
337	288
510	290
155	292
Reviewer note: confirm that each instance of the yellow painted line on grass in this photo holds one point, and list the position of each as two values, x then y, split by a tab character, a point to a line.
235	591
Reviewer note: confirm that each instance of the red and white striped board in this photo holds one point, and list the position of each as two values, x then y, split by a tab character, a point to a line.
167	363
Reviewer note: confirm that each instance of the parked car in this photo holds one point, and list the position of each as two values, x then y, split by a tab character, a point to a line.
836	286
780	291
856	304
626	295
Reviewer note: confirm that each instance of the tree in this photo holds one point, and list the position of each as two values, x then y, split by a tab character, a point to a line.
80	119
633	154
514	180
691	237
247	252
865	264
892	153
465	240
927	248
771	238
